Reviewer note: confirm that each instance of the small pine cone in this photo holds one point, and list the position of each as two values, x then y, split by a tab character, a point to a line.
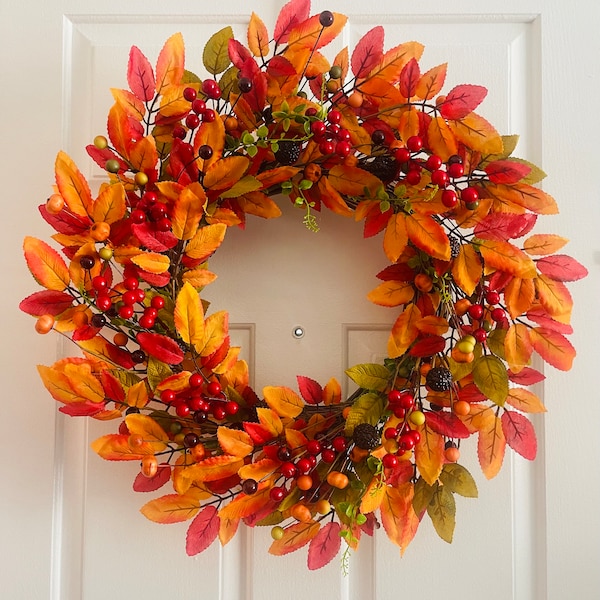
383	167
454	247
288	152
365	436
439	379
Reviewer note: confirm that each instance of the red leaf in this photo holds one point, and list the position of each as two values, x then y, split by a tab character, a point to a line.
140	75
258	433
507	171
428	346
153	240
397	272
409	78
46	302
203	531
290	15
368	52
541	318
112	387
376	221
503	226
65	222
553	347
526	376
279	66
324	546
101	156
561	267
120	356
471	393
150	484
161	347
82	409
86	332
238	53
519	433
310	390
462	100
448	424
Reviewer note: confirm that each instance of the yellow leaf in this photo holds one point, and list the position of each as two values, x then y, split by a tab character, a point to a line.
429	454
404	331
46	265
137	395
170	64
259	204
246	185
258	36
187	211
143	155
295	439
152	262
199	277
225	172
189	316
477	133
72	186
151	432
491	446
392	293
395	238
206	241
283	400
259	470
373	496
110	206
270	420
332	393
215	332
234	442
172	508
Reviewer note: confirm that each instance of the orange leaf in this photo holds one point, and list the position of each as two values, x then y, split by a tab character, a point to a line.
170	64
519	295
395	238
554	296
381	92
187	211
332	393
393	61
553	347
137	395
270	420
359	136
133	106
215	332
408	124
206	241
227	530
110	206
352	181
431	82
295	439
467	269
294	537
46	265
216	467
432	325
259	204
523	196
441	138
491	445
152	262
225	172
404	331
517	346
275	176
210	133
374	495
478	134
258	36
199	277
115	446
506	257
143	155
72	186
398	516
332	199
234	441
428	235
392	293
259	470
429	454
245	505
172	508
189	316
58	384
283	400
525	401
311	34
149	429
543	244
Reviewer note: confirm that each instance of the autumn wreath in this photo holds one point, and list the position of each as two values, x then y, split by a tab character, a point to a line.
370	137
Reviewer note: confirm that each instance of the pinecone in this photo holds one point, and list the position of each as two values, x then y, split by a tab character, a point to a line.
454	247
288	152
365	436
384	167
439	379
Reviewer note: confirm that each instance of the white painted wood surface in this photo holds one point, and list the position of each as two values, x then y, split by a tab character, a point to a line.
70	522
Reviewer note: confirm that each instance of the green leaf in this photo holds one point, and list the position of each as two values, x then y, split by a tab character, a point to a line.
491	377
157	371
370	376
495	342
216	55
459	370
274	518
458	480
290	499
228	82
423	495
246	184
442	512
368	408
535	175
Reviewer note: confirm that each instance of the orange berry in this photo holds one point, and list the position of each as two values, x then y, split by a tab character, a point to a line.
55	204
452	454
462	357
135	440
301	512
120	339
149	466
346	412
100	231
357	454
304	482
231	124
44	324
462	306
323	506
461	408
332	86
198	452
423	282
312	172
337	480
424	369
355	99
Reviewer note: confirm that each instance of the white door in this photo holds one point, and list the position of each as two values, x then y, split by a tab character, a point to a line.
71	526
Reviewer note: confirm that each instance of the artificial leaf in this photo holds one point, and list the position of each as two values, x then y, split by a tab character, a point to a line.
507	171
409	78
152	262
491	377
392	293
295	537
133	106
519	434
404	331
477	133
561	267
398	516
283	400
270	420
433	325
332	392
395	239
409	124
447	424
151	432
215	56
368	408
458	480
370	376
311	34
203	530
553	347
46	302
393	62
467	268
310	390
46	265
110	206
187	211
172	508
189	317
325	546
170	64
442	512
381	92
518	346
522	195
295	439
441	139
491	446
525	401
506	257
227	530
72	186
258	36
216	327
245	505
374	495
291	13
245	185
428	235
206	241
140	75
504	225
431	82
143	155
352	181
160	346
429	454
543	244
259	470
224	173
462	100
216	467
137	395
518	296
554	296
368	52
428	346
526	376
115	446
199	277
141	483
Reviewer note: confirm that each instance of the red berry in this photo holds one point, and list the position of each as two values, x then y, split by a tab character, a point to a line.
406	401
343	148
157	302
313	447
130	297
163	224
168	396
196	403
414	143
406	441
492	297
288	470
196	380
103	302
390	433
99	283
199	106
390	461
469	195
416	436
339	443
141	294
400	413
480	335
137	216
456	170
327	147
146	322
475	311
218	412
328	456
126	312
179	132
277	494
211	88
413	177
303	465
433	162
131	283
402	155
231	407
318	127
192	121
209	115
150	197
181	408
213	388
498	314
190	94
334	116
449	198
439	178
394	396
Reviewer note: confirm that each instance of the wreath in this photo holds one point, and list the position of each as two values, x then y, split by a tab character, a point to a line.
368	136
